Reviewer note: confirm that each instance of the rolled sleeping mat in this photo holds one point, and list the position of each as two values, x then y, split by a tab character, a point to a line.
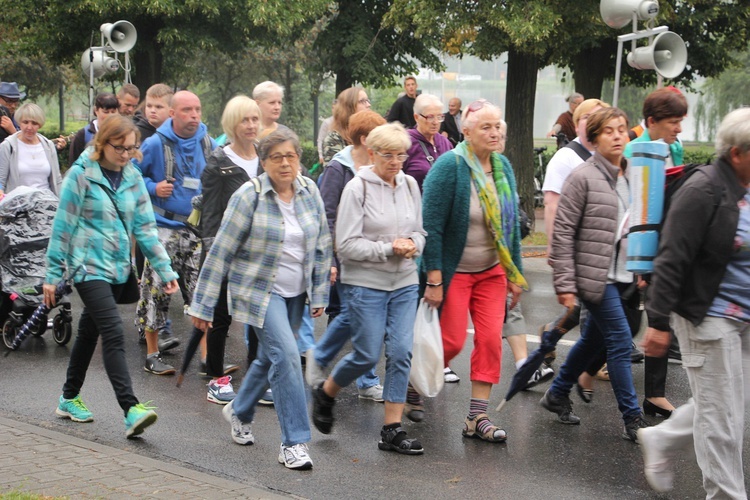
647	177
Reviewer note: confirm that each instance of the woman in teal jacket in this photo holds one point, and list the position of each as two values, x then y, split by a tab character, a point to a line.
103	201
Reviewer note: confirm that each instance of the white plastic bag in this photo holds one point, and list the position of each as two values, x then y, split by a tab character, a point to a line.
427	355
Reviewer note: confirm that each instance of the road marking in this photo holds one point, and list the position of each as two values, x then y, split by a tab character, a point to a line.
534	338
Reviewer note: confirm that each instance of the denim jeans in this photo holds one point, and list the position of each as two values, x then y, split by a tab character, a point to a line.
100	318
337	334
605	325
377	316
306	334
278	363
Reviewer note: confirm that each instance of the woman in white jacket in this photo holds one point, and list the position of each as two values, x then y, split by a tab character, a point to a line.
378	232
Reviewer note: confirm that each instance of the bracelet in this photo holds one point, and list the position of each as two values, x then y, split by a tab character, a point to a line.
434	284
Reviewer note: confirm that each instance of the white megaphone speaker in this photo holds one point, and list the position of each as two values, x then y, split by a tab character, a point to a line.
121	35
619	13
103	64
667	55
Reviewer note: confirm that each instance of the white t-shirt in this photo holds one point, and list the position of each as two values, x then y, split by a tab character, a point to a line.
33	166
249	166
290	277
559	168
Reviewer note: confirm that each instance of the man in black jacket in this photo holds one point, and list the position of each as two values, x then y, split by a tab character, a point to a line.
402	110
451	126
701	282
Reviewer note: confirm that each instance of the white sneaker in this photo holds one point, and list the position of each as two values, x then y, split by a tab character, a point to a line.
314	373
656	465
542	374
373	393
449	376
242	433
295	457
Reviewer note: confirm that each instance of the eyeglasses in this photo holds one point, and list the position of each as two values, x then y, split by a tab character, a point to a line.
278	158
364	101
433	118
122	149
389	157
476	106
9	100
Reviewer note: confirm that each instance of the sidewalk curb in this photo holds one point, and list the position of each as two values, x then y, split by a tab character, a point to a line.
235	488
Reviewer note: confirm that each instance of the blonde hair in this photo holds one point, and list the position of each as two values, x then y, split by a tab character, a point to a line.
235	110
389	137
263	91
30	111
586	107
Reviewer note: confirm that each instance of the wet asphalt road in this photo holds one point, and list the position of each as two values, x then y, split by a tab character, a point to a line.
542	458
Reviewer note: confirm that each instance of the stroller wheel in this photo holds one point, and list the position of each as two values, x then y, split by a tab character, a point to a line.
39	330
9	333
62	330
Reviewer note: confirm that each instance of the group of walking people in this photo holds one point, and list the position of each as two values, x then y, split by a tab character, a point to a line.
399	215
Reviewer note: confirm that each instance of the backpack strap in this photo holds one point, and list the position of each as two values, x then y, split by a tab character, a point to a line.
582	152
168	153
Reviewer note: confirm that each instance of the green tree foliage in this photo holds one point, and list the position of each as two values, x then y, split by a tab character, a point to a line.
722	94
357	47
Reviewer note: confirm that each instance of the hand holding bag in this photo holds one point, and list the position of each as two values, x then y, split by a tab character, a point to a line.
427	355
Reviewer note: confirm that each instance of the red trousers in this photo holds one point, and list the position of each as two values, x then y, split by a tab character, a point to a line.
483	295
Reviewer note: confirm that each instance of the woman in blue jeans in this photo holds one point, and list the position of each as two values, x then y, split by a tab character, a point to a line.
274	251
588	260
378	232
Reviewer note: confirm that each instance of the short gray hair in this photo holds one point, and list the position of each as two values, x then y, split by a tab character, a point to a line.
734	132
389	137
30	111
263	91
574	96
278	136
424	101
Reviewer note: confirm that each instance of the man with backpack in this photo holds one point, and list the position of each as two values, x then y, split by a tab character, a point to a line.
701	287
172	165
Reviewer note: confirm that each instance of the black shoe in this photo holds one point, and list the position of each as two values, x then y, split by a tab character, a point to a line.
562	406
652	410
586	395
228	368
154	364
631	428
322	414
636	356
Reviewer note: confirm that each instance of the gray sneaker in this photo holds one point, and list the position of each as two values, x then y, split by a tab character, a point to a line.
373	393
154	364
242	433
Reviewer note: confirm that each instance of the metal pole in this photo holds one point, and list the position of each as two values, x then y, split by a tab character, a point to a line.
616	94
61	95
91	81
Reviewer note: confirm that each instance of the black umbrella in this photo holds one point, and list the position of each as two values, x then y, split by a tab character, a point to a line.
192	346
40	314
551	335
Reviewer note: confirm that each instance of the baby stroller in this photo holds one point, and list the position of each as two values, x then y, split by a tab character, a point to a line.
25	225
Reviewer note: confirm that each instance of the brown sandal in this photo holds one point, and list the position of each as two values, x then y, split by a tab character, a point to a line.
493	434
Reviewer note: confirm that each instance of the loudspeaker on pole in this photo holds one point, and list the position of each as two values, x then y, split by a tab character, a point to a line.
667	55
121	35
619	13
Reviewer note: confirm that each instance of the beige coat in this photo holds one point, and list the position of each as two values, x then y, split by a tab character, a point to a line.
584	231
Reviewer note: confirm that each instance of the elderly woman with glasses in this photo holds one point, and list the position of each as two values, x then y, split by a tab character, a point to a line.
274	251
103	201
378	234
472	258
427	144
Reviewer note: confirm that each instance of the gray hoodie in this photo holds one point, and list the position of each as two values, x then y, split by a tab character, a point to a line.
371	215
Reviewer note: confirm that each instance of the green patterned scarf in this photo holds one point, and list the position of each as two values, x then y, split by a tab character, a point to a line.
494	207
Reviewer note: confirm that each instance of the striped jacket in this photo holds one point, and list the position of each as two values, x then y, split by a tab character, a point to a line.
248	248
88	230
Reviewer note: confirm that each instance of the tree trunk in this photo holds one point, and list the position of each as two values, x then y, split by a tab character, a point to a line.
147	67
589	70
343	80
519	113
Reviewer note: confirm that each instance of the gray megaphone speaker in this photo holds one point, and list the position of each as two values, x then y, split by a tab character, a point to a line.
667	55
121	35
103	64
619	13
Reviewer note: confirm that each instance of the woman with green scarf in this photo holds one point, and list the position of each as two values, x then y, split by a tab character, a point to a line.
472	256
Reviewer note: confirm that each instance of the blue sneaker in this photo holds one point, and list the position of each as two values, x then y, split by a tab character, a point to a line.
220	391
74	409
139	417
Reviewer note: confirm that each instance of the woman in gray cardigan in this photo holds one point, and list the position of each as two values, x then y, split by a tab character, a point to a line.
588	226
27	158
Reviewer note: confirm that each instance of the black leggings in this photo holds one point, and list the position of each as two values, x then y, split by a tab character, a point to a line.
100	317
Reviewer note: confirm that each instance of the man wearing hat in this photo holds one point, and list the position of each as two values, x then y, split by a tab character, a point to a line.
9	97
